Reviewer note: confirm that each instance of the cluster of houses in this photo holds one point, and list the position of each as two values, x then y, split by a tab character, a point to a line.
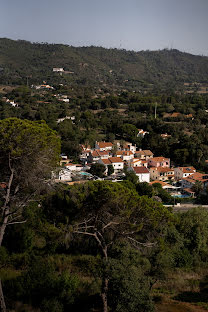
147	168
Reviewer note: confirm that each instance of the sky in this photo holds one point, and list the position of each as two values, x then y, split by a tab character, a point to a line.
125	24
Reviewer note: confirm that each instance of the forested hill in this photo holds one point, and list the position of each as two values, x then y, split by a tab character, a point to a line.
96	66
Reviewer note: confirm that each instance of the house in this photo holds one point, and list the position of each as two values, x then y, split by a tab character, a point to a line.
95	155
129	147
125	155
116	162
64	175
183	172
136	162
159	162
84	155
65	118
58	69
165	136
161	173
141	133
73	167
144	154
142	173
188	182
103	146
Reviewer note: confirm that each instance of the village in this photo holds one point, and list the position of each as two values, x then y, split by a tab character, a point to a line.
119	158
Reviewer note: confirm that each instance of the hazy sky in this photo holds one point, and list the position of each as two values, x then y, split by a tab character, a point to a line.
126	24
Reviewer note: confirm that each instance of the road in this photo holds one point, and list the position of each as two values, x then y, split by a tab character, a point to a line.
185	207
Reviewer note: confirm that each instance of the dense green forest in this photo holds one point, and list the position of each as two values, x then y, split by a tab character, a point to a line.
98	67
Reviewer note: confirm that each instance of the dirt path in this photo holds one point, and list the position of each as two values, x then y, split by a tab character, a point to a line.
178	306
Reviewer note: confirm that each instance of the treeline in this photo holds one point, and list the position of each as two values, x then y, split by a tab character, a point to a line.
109	116
52	264
97	66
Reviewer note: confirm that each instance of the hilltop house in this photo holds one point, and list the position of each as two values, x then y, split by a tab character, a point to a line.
161	173
125	155
183	172
141	133
116	162
159	162
103	146
142	173
144	154
95	155
188	182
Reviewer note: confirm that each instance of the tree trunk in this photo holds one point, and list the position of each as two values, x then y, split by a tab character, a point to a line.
2	302
2	228
104	294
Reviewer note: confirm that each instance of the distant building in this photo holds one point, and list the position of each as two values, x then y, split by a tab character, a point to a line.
159	162
142	173
116	162
103	146
58	69
183	172
161	173
141	133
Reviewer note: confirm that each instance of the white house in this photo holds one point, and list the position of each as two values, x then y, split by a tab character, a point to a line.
142	173
129	147
125	155
58	69
103	146
73	167
95	155
116	162
183	172
64	175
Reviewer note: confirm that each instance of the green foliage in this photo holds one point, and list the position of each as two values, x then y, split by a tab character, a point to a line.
41	283
97	170
129	288
144	189
91	65
110	170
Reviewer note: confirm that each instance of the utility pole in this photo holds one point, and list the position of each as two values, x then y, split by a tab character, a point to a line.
155	110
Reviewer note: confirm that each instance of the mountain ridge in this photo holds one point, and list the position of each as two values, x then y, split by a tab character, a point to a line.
98	66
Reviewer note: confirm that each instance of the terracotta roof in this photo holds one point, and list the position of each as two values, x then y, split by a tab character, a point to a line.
104	144
187	169
106	161
139	170
137	159
174	115
115	159
126	153
95	154
145	152
160	158
197	176
98	153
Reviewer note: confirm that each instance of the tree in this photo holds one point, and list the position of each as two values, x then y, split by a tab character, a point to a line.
28	152
97	169
107	212
110	169
197	187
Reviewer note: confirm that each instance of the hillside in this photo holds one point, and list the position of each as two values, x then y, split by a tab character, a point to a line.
96	66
